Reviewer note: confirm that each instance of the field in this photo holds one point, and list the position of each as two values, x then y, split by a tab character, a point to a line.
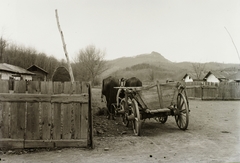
213	135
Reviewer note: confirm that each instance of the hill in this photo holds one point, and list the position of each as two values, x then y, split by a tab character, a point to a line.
154	64
154	58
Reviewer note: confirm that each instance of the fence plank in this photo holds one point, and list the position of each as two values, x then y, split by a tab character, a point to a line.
84	114
32	124
17	120
20	86
46	114
57	134
76	134
4	86
5	126
17	113
57	88
33	87
57	116
47	87
46	120
4	111
67	112
67	118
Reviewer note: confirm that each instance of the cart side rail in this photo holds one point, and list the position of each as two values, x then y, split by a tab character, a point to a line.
160	95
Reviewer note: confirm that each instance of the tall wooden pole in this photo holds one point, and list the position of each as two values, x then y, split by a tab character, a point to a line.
65	48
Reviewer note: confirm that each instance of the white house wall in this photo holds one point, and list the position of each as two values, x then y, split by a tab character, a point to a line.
212	78
7	75
188	79
27	77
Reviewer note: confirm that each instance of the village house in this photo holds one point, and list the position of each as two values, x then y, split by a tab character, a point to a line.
190	77
8	72
215	76
40	74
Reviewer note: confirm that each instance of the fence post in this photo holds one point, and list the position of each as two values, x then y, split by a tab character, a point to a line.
90	118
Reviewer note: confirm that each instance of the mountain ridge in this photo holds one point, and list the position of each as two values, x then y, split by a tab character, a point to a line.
122	66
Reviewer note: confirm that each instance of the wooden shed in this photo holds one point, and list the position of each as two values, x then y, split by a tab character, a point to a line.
41	74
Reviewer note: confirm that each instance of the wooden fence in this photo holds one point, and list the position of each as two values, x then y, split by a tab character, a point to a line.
213	91
45	114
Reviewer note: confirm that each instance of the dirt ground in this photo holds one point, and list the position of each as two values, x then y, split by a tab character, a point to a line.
213	135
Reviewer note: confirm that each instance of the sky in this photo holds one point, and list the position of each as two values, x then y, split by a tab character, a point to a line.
180	30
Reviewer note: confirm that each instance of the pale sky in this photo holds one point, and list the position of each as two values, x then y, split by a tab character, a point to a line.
181	30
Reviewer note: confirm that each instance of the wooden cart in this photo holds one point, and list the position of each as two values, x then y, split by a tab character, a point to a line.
156	101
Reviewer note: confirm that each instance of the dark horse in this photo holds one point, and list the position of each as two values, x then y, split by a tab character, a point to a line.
110	92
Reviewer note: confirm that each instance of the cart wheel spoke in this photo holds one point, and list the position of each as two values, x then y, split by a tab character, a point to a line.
182	116
137	121
183	111
182	103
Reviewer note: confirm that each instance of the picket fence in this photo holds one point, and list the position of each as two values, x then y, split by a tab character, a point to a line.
45	114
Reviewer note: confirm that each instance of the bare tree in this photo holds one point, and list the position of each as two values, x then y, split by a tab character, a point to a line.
90	64
151	75
198	69
3	45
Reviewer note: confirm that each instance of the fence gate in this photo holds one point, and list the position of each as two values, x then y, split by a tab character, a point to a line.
45	114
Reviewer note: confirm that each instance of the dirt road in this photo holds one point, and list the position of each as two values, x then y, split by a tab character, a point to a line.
213	135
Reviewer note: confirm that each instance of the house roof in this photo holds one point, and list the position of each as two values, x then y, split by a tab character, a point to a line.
218	74
235	76
192	75
14	69
34	67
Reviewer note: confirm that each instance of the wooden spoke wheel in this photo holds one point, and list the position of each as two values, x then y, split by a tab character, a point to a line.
137	120
163	119
182	112
125	113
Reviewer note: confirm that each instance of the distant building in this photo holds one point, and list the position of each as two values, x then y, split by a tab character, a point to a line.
8	72
235	77
190	77
41	74
215	76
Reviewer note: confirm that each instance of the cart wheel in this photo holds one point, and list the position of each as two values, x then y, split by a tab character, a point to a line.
137	121
163	119
182	112
125	121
